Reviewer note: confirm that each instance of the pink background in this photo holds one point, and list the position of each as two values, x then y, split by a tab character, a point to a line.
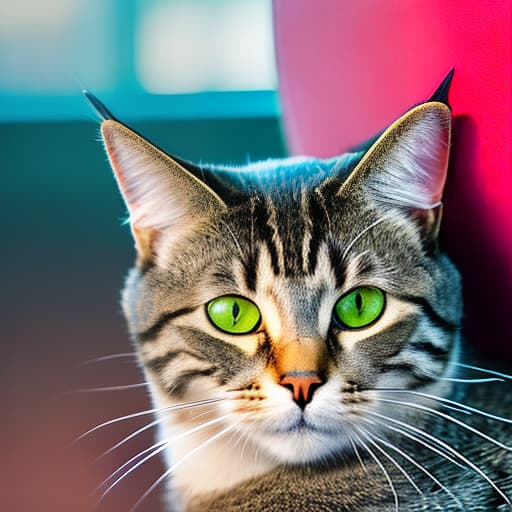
348	69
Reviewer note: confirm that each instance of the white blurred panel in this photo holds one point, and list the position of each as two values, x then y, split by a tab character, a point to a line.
200	45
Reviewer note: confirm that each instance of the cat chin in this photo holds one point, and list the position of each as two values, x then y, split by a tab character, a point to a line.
302	446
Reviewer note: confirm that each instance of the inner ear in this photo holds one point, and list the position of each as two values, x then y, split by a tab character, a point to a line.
406	167
162	197
429	225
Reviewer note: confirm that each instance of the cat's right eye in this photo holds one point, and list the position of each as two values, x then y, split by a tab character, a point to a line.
233	314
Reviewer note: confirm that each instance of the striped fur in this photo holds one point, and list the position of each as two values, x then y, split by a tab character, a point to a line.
293	236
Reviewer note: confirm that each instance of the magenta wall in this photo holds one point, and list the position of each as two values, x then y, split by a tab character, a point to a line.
347	69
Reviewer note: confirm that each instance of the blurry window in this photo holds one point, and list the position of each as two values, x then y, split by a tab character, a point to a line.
158	46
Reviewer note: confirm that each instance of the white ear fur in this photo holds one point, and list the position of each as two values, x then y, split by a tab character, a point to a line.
159	193
406	166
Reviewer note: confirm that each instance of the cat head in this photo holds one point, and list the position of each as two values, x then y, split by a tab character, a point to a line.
293	290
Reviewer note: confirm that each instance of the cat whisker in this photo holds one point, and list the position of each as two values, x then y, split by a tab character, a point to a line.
369	438
139	431
130	436
318	191
447	447
156	445
107	388
483	370
414	462
159	447
244	445
168	408
360	234
108	357
430	410
472	381
237	442
356	451
169	471
233	237
383	469
457	405
418	440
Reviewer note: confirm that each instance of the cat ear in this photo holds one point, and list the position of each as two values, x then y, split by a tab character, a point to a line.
442	92
161	195
406	167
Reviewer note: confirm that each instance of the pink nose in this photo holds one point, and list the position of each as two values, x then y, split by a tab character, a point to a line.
302	385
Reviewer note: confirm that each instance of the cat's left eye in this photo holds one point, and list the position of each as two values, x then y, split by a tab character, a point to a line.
233	314
359	308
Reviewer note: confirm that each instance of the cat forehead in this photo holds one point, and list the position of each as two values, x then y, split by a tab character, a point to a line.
277	176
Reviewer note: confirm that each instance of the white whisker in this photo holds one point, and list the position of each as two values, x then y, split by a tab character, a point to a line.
175	465
418	440
472	381
233	237
130	436
318	191
430	410
358	236
160	447
450	449
484	370
139	431
356	451
400	468
151	411
383	469
108	358
108	388
157	447
413	462
457	405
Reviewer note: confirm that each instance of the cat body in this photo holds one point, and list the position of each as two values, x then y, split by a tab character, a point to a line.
300	328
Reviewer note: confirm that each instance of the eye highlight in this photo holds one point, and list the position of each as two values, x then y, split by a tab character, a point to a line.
233	314
359	308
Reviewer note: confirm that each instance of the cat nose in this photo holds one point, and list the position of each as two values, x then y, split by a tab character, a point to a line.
302	385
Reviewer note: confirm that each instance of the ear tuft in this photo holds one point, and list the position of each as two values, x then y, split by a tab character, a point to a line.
442	92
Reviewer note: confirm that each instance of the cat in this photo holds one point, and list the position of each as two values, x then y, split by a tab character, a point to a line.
299	327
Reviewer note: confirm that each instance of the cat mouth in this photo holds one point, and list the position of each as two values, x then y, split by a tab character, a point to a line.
303	426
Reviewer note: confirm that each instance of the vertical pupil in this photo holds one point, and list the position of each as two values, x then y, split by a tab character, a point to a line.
235	311
359	302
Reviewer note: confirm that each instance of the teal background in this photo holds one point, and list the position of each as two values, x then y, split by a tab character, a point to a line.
65	252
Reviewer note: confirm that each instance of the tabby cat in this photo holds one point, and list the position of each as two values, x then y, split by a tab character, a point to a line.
300	329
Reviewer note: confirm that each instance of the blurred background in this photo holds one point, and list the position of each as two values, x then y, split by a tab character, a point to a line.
199	79
196	77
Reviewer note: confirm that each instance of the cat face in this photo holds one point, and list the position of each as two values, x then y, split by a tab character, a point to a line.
292	291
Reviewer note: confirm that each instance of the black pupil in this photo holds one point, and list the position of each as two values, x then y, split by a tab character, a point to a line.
359	302
235	311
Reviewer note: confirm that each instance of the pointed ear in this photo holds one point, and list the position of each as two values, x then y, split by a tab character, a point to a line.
442	92
406	166
161	196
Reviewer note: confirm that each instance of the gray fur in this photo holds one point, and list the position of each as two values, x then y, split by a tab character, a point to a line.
317	229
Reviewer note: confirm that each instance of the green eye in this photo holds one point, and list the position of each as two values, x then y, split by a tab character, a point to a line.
360	307
233	314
